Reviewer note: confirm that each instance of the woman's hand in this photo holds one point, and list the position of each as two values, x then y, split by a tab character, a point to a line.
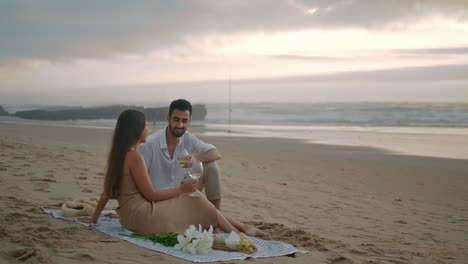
189	187
112	215
87	220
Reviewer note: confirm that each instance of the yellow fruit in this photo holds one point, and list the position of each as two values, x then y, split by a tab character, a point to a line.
244	246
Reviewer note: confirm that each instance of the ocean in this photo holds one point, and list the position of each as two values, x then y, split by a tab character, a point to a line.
385	114
343	114
431	129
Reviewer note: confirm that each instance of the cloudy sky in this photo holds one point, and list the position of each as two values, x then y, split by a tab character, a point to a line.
98	52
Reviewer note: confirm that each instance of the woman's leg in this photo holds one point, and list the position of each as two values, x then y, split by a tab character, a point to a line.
225	224
232	224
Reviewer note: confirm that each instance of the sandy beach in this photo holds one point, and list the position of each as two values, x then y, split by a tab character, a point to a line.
344	204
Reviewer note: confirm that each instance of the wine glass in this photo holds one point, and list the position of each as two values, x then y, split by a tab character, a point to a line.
195	172
180	159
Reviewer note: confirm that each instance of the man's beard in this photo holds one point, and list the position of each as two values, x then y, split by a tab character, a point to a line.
176	132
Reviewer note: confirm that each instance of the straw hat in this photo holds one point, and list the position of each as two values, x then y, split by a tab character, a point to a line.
83	207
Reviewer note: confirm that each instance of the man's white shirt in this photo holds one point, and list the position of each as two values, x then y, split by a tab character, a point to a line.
163	171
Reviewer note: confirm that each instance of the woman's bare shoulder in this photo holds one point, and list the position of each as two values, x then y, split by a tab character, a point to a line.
133	158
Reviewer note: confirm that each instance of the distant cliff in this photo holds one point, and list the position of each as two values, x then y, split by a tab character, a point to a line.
159	114
106	112
3	112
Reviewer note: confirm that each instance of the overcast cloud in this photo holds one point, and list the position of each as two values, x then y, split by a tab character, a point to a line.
60	30
437	51
273	50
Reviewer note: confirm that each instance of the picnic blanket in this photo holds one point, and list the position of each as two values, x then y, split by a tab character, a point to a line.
112	227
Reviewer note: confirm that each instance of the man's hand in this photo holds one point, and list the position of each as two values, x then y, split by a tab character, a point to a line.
186	162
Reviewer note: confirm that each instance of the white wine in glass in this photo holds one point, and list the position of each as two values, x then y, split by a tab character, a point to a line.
180	159
195	172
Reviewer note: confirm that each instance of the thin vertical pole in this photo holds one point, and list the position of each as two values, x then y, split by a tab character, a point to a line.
230	99
230	87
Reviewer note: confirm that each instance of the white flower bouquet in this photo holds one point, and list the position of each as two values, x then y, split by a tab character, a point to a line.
199	241
195	241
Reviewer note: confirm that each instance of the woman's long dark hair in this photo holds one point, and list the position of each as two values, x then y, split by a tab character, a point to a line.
130	125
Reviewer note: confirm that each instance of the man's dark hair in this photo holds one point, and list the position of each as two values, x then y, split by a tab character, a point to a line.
181	105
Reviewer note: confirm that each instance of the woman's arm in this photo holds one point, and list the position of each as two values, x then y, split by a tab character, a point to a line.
100	205
138	170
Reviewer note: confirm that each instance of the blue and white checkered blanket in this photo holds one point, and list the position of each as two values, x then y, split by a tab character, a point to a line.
112	227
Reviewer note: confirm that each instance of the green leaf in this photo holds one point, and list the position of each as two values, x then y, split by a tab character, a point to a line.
168	240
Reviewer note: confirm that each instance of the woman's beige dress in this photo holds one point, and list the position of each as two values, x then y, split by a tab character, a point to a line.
172	215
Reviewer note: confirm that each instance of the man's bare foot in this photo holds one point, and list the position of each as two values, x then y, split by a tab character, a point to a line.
255	232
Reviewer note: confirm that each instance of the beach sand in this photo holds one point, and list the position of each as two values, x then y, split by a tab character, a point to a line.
343	204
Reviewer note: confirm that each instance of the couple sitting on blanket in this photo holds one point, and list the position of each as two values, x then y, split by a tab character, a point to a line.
150	186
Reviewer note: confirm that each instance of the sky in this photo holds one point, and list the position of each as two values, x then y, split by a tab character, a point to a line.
146	52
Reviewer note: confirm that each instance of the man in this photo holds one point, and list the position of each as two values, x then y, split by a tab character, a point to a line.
164	148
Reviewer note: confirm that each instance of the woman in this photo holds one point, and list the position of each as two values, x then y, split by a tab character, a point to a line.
143	209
